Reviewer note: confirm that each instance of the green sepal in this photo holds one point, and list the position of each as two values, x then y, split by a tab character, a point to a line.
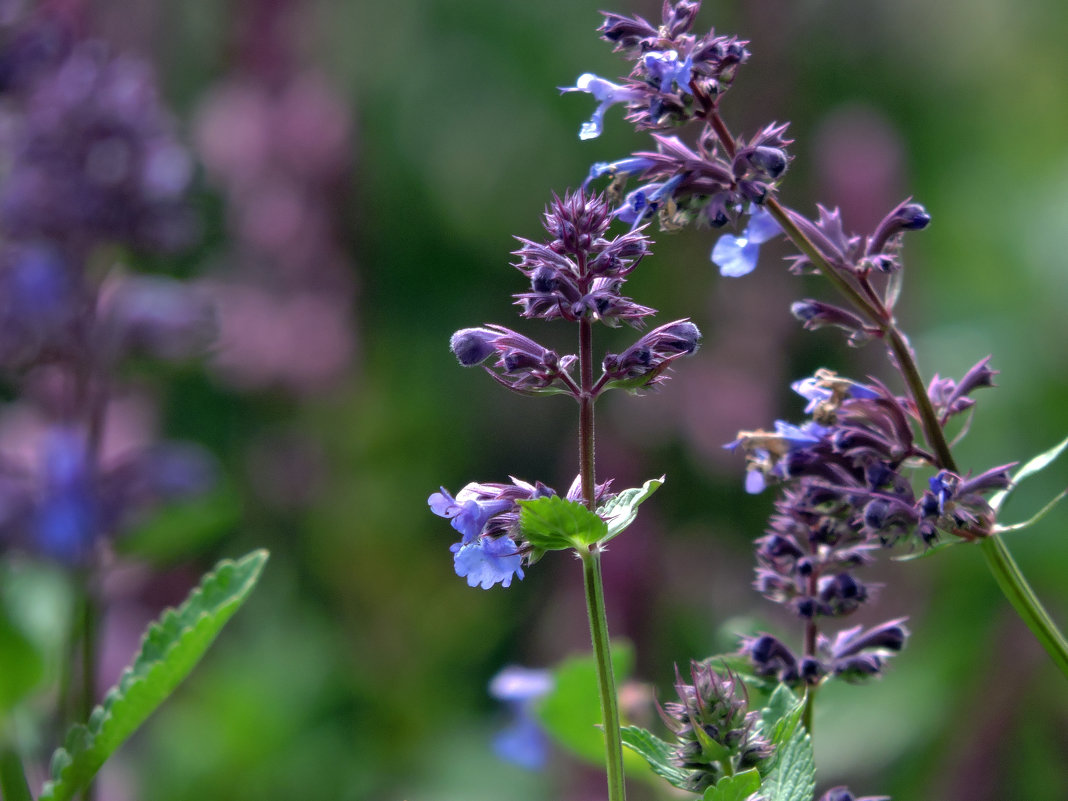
557	524
571	712
170	649
734	788
656	752
1034	465
792	773
620	511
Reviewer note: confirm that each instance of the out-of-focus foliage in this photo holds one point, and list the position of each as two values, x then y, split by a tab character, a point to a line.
359	669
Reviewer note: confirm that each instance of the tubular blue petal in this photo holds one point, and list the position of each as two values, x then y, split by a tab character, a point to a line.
488	561
735	256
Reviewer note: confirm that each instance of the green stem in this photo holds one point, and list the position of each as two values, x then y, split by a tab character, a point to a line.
606	682
1023	599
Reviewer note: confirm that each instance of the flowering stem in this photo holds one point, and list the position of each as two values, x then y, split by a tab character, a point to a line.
591	574
586	399
1010	578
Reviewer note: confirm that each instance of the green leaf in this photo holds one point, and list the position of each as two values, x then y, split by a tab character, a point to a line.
1035	465
734	788
656	752
12	776
571	713
557	524
171	647
782	715
1045	510
620	511
21	664
793	776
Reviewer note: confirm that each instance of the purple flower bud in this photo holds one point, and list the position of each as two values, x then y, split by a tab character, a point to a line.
472	346
642	364
905	217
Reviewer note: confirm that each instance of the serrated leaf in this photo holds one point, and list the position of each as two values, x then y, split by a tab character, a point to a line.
782	715
734	788
571	713
556	524
793	778
656	752
620	511
1034	465
171	647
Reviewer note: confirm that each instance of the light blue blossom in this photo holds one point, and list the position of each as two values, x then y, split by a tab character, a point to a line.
468	512
666	67
645	201
737	255
606	94
815	390
614	169
487	561
522	742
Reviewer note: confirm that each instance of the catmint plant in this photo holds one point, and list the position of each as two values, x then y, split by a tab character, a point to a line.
576	275
95	179
872	468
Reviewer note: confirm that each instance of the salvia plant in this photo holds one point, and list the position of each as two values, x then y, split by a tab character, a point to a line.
93	187
869	469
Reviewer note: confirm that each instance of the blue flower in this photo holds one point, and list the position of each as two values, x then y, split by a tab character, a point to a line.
66	520
666	68
737	255
606	94
469	514
645	201
522	742
614	169
486	561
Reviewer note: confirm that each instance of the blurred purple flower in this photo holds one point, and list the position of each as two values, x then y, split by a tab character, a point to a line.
523	742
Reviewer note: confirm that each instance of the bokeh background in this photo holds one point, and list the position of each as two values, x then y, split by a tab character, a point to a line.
363	169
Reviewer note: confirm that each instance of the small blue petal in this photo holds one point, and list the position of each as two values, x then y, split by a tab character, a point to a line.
761	227
487	561
522	743
515	683
735	255
755	482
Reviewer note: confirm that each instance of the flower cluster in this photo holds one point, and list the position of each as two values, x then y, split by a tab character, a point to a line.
678	78
846	494
716	734
673	69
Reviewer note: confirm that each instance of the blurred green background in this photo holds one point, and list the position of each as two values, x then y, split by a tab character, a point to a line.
359	669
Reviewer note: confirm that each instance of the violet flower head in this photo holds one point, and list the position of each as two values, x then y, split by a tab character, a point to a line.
96	158
737	255
713	708
580	272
